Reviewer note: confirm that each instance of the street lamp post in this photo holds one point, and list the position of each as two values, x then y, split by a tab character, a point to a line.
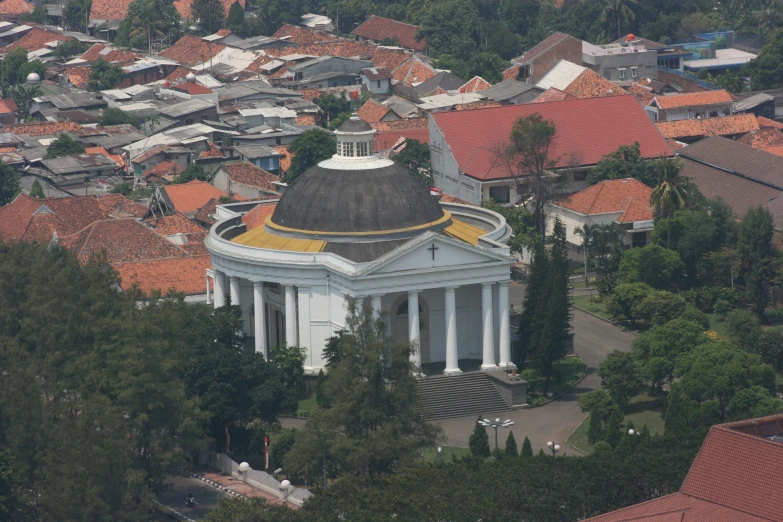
553	447
495	424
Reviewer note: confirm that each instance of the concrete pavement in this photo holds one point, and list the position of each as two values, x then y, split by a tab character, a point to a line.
594	339
177	490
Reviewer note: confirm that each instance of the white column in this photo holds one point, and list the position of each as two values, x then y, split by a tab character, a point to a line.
376	305
209	297
220	288
488	327
413	327
452	353
505	327
290	315
259	319
304	323
234	291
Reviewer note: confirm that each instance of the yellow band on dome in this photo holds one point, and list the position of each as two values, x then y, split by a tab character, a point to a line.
446	217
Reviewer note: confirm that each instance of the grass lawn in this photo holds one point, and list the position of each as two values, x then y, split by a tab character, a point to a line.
431	454
643	409
307	406
567	369
592	304
717	325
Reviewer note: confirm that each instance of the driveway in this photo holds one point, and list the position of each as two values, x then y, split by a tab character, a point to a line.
594	339
177	490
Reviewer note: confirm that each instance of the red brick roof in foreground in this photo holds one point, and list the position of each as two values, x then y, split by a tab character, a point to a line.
36	39
475	84
181	274
586	130
176	223
379	28
109	9
734	478
28	219
628	196
256	217
15	7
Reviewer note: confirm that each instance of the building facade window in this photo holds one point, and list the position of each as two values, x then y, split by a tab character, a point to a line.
500	194
622	73
634	72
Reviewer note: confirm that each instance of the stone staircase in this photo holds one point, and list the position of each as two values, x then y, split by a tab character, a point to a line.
471	393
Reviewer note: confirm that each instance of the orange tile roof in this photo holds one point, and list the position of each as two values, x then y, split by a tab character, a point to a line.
301	35
285	157
213	151
193	88
205	213
475	84
256	217
176	223
395	125
119	159
379	28
78	76
512	73
248	174
553	94
774	150
109	9
617	195
413	71
163	169
372	111
720	126
195	245
8	106
176	74
43	128
766	137
389	58
766	122
182	274
7	149
36	39
117	205
117	240
183	6
691	99
305	119
643	93
674	144
484	104
592	85
191	50
191	196
113	55
15	7
448	198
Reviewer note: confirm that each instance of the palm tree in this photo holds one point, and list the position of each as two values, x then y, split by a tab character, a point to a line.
670	195
586	232
619	9
149	20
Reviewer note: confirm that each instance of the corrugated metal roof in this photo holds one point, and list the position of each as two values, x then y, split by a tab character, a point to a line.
79	163
186	107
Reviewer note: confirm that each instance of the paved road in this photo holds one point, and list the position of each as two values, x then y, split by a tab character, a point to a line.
177	489
593	340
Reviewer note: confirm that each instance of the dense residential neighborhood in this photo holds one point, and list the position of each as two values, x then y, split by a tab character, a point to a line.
275	260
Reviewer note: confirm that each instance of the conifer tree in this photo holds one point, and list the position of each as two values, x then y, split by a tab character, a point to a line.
527	448
595	430
533	292
479	441
613	432
36	191
511	446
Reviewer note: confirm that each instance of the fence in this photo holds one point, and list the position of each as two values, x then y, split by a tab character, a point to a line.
258	479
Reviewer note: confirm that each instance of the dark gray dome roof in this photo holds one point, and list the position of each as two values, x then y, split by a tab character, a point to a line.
331	200
354	125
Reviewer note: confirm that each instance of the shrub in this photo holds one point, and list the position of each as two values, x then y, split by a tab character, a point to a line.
697	316
704	298
531	376
661	307
722	307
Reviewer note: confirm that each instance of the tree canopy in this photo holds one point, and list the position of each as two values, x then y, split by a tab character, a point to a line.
104	75
117	116
64	145
309	148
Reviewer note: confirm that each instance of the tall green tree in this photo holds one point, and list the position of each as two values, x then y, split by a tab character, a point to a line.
653	265
76	14
12	65
479	441
104	75
8	507
621	377
534	294
36	191
607	257
511	446
210	13
669	196
619	11
331	107
117	116
415	155
9	183
625	162
235	21
766	70
586	232
373	424
147	20
308	149
754	243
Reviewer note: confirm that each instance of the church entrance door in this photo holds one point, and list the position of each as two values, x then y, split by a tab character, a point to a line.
400	325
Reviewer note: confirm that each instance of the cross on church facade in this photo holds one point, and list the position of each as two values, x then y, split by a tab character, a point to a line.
433	248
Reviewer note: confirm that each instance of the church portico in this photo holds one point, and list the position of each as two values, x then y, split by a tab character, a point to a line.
361	227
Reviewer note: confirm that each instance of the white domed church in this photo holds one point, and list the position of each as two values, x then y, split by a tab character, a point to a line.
361	226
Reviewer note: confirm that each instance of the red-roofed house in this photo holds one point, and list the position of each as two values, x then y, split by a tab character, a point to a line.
14	8
734	478
192	50
377	29
256	217
373	112
622	201
705	104
180	274
475	84
464	144
247	180
103	11
187	198
36	39
537	61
